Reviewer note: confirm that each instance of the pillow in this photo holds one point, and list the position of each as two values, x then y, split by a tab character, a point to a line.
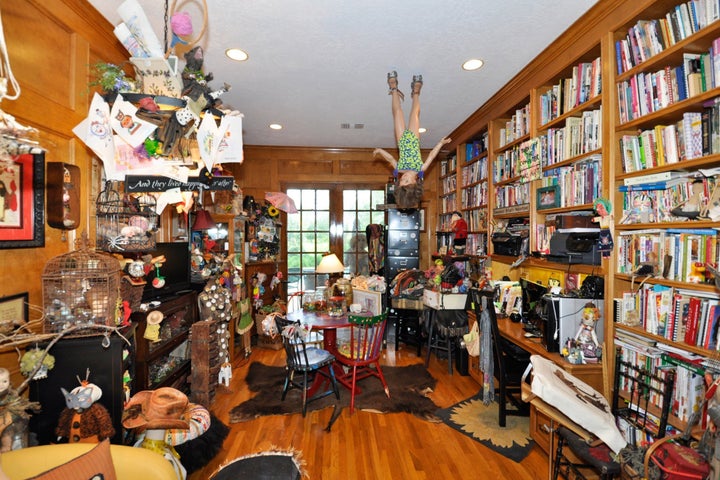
96	464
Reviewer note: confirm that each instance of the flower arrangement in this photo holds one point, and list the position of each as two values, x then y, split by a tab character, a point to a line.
30	359
111	78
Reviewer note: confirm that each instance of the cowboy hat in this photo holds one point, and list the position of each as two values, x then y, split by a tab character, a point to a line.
163	408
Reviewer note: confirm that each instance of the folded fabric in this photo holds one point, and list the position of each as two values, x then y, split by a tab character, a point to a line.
577	400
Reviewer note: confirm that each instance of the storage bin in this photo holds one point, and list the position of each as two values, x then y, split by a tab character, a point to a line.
444	301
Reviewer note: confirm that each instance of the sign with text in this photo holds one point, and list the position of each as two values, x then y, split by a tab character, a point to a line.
155	183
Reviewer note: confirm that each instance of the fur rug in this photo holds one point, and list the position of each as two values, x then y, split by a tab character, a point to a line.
409	387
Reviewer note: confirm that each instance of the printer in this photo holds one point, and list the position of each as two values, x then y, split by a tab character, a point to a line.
568	246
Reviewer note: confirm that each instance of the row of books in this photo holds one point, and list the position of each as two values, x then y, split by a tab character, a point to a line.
508	163
475	172
660	358
518	126
580	183
476	244
647	38
568	93
448	165
676	314
475	196
649	92
512	194
477	219
449	184
655	202
579	136
476	147
674	254
674	143
447	203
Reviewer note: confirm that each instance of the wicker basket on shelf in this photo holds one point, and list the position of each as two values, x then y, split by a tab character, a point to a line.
80	288
125	223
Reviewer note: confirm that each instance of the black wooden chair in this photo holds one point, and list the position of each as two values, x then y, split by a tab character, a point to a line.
510	361
649	391
306	362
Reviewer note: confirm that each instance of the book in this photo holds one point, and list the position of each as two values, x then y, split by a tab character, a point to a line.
660	185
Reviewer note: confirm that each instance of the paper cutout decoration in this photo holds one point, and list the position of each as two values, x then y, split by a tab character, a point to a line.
127	125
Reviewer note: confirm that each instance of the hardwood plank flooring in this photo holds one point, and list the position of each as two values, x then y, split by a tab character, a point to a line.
369	445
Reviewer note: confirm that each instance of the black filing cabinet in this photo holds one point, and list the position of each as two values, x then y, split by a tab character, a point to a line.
402	250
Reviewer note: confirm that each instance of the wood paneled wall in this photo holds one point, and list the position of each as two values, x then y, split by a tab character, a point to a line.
52	45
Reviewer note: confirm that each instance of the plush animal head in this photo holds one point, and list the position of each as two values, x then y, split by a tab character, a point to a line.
81	398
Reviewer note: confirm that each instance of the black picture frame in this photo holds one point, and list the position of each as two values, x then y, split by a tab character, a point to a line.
28	230
14	309
548	197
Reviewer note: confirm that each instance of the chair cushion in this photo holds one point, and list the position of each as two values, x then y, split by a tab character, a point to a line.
317	357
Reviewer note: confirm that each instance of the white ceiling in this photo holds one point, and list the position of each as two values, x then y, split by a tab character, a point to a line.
316	64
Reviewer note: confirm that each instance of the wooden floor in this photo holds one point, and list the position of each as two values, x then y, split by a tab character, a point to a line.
367	445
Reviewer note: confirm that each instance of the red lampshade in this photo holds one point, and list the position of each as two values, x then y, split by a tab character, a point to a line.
203	221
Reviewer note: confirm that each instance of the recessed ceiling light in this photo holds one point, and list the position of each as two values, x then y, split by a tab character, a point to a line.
422	129
276	126
472	64
236	54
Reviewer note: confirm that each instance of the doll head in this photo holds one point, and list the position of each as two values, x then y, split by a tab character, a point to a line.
4	381
82	397
590	315
409	196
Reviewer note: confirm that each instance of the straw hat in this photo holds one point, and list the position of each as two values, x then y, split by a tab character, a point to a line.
163	408
154	317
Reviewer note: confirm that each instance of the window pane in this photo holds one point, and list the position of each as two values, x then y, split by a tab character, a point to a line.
308	220
349	200
349	223
363	200
293	262
323	221
293	242
378	217
323	200
308	200
308	242
363	221
323	242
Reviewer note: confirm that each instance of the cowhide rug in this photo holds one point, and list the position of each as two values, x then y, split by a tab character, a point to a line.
409	387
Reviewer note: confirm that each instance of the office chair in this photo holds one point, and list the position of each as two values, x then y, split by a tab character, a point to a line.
636	393
510	361
303	360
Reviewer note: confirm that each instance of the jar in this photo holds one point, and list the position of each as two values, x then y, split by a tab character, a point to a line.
308	301
337	306
319	300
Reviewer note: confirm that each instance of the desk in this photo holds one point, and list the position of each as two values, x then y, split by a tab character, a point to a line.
541	421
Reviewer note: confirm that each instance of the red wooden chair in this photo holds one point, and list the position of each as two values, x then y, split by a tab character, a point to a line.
362	353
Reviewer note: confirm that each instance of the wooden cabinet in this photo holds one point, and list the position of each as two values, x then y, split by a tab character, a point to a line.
166	362
74	357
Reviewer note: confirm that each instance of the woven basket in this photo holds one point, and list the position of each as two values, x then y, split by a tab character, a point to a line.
131	292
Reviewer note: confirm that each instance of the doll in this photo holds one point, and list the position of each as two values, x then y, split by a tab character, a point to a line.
14	414
409	168
84	420
460	230
586	339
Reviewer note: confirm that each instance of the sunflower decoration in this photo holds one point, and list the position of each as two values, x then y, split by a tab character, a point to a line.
273	212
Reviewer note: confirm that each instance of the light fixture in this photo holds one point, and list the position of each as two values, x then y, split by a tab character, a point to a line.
203	221
422	130
472	64
275	126
236	54
330	263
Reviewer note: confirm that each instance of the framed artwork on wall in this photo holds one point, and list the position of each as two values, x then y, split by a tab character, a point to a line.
22	199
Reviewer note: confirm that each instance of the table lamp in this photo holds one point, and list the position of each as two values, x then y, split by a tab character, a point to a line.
203	221
330	264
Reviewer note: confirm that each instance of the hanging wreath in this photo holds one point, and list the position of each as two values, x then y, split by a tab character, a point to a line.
29	362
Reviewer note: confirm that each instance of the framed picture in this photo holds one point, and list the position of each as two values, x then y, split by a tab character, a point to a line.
548	197
22	199
13	312
370	300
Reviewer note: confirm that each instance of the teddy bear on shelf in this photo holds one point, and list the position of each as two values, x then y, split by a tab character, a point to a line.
84	420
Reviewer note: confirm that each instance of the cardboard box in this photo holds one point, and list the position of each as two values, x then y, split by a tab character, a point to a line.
444	301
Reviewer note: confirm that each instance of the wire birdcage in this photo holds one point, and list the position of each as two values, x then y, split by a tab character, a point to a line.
125	223
80	288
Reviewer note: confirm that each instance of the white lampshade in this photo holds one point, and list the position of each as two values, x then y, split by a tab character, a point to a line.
330	263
